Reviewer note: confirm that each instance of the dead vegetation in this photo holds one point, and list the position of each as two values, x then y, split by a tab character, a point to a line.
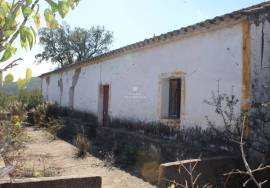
83	145
249	131
78	127
193	177
35	171
248	171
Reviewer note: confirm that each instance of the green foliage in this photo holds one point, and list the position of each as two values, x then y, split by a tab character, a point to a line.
13	114
37	20
16	15
5	101
26	99
8	79
65	46
8	52
22	83
171	186
63	8
28	75
1	80
11	134
27	36
30	99
50	19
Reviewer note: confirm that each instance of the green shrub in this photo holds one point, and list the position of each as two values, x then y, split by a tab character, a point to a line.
13	114
11	133
30	99
6	100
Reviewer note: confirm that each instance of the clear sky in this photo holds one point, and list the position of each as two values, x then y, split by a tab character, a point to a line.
135	20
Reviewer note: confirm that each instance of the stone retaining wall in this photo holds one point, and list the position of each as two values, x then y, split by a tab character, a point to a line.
211	169
53	182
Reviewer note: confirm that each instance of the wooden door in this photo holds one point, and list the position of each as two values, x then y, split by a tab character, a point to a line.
106	104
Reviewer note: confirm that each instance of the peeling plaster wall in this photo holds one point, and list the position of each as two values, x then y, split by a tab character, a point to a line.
67	82
204	59
72	88
87	92
53	91
260	59
44	88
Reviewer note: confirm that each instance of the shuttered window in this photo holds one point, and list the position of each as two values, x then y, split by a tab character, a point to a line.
174	98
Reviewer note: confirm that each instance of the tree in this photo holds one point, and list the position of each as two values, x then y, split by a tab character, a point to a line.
64	46
16	15
1	79
8	79
22	83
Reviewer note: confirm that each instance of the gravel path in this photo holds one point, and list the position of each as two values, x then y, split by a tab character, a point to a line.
57	157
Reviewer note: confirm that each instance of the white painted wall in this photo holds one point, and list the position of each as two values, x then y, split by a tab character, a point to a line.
204	58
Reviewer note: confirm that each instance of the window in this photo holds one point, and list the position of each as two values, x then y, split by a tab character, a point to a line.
170	98
174	98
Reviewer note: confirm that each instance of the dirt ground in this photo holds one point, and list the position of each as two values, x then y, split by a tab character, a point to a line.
45	156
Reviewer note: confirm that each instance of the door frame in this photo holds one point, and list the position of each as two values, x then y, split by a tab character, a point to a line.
101	104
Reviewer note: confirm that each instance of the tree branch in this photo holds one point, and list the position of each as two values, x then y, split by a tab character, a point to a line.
10	65
22	24
248	171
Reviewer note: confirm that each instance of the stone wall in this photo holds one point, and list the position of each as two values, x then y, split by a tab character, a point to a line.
53	182
211	169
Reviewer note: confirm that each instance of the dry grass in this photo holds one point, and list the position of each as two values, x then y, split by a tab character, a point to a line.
83	145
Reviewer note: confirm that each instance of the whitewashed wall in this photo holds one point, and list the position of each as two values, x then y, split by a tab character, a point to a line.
204	58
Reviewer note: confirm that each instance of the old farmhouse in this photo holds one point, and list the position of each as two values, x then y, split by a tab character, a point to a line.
166	78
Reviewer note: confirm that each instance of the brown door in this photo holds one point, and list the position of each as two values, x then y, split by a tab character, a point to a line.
105	104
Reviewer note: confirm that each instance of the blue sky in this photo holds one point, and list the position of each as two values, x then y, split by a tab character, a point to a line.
135	20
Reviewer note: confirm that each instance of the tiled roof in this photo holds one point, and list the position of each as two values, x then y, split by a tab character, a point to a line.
236	15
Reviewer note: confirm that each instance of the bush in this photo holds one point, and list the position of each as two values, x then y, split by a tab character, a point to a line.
23	101
11	134
257	136
31	99
6	101
83	145
37	115
13	114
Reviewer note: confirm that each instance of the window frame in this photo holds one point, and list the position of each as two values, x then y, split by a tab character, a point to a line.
164	108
